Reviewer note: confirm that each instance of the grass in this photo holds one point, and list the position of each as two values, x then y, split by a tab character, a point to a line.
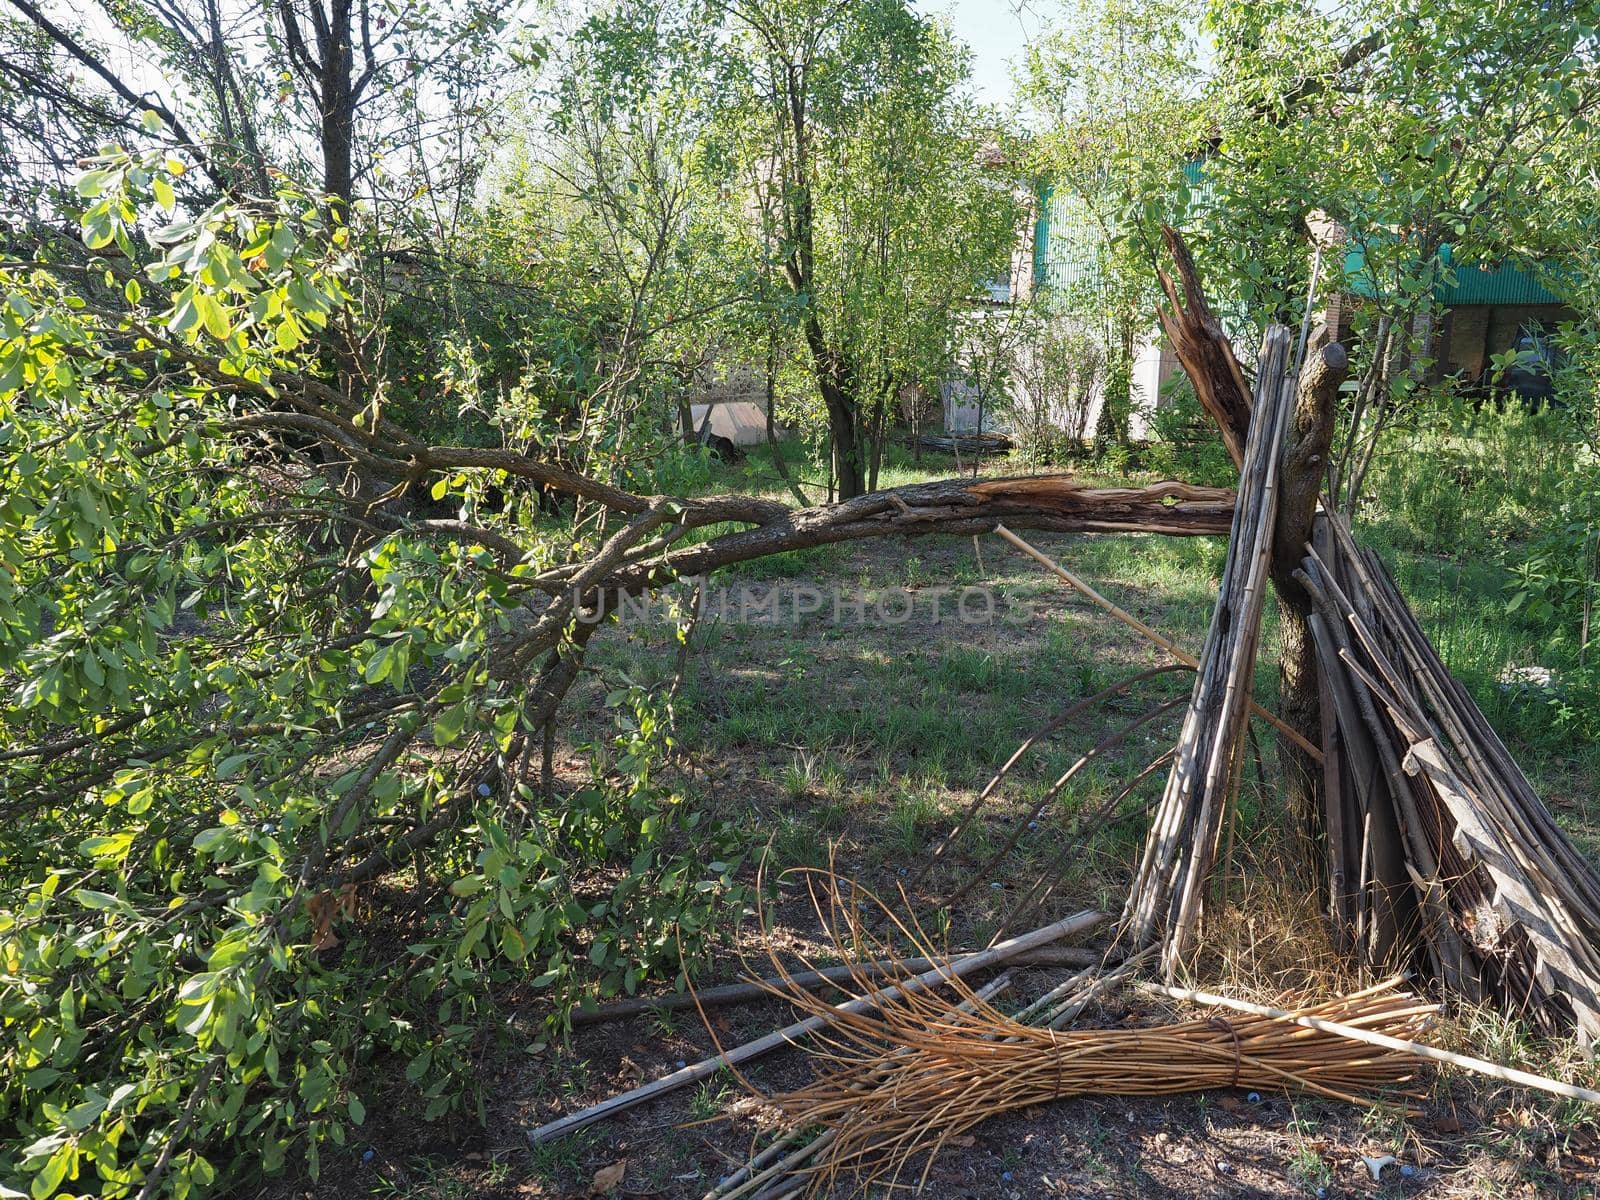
1308	1169
443	1179
553	1160
869	723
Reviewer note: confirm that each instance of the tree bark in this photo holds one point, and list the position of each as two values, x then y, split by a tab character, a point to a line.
1204	350
952	506
1299	703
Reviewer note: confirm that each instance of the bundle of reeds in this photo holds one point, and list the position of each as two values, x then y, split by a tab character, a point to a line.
897	1085
906	1071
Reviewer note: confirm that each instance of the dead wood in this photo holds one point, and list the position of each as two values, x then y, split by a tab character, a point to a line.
1167	895
1506	909
1204	350
1304	469
1384	1041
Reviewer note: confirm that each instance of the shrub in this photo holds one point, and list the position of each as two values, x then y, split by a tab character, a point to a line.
264	816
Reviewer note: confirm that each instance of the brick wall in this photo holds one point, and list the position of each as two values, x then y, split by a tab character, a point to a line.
1465	351
1478	331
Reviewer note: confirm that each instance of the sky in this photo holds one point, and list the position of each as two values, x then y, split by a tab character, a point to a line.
997	31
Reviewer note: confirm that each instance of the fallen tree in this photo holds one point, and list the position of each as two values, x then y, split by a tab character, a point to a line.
282	679
256	683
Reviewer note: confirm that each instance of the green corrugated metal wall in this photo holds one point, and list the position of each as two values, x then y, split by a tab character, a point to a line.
1507	285
1473	284
1066	243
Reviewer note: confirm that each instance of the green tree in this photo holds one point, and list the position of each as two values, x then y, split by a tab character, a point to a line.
347	96
888	221
221	725
1113	92
1433	135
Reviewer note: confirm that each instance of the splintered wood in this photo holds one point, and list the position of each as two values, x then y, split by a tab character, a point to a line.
1169	888
1439	851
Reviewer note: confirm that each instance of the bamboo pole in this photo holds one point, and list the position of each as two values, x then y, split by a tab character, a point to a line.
1154	636
1079	922
1421	1050
768	988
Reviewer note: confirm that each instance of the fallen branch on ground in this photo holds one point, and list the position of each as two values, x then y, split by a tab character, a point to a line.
757	989
945	974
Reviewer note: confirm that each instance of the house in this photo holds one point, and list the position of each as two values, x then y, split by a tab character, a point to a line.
1069	246
1482	310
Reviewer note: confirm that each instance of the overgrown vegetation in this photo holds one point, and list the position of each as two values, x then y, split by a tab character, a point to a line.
345	393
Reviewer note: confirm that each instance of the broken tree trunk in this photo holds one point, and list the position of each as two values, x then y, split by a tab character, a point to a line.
1299	706
1168	890
1204	350
1209	361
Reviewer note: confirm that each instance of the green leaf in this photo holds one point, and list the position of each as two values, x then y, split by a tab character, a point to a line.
229	767
287	334
92	183
107	847
447	728
214	315
379	665
55	1170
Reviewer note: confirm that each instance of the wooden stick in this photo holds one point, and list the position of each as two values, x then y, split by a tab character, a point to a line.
760	1162
1481	1066
1133	622
762	989
958	968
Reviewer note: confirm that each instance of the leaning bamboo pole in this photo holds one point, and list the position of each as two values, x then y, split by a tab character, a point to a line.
1168	890
1455	863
